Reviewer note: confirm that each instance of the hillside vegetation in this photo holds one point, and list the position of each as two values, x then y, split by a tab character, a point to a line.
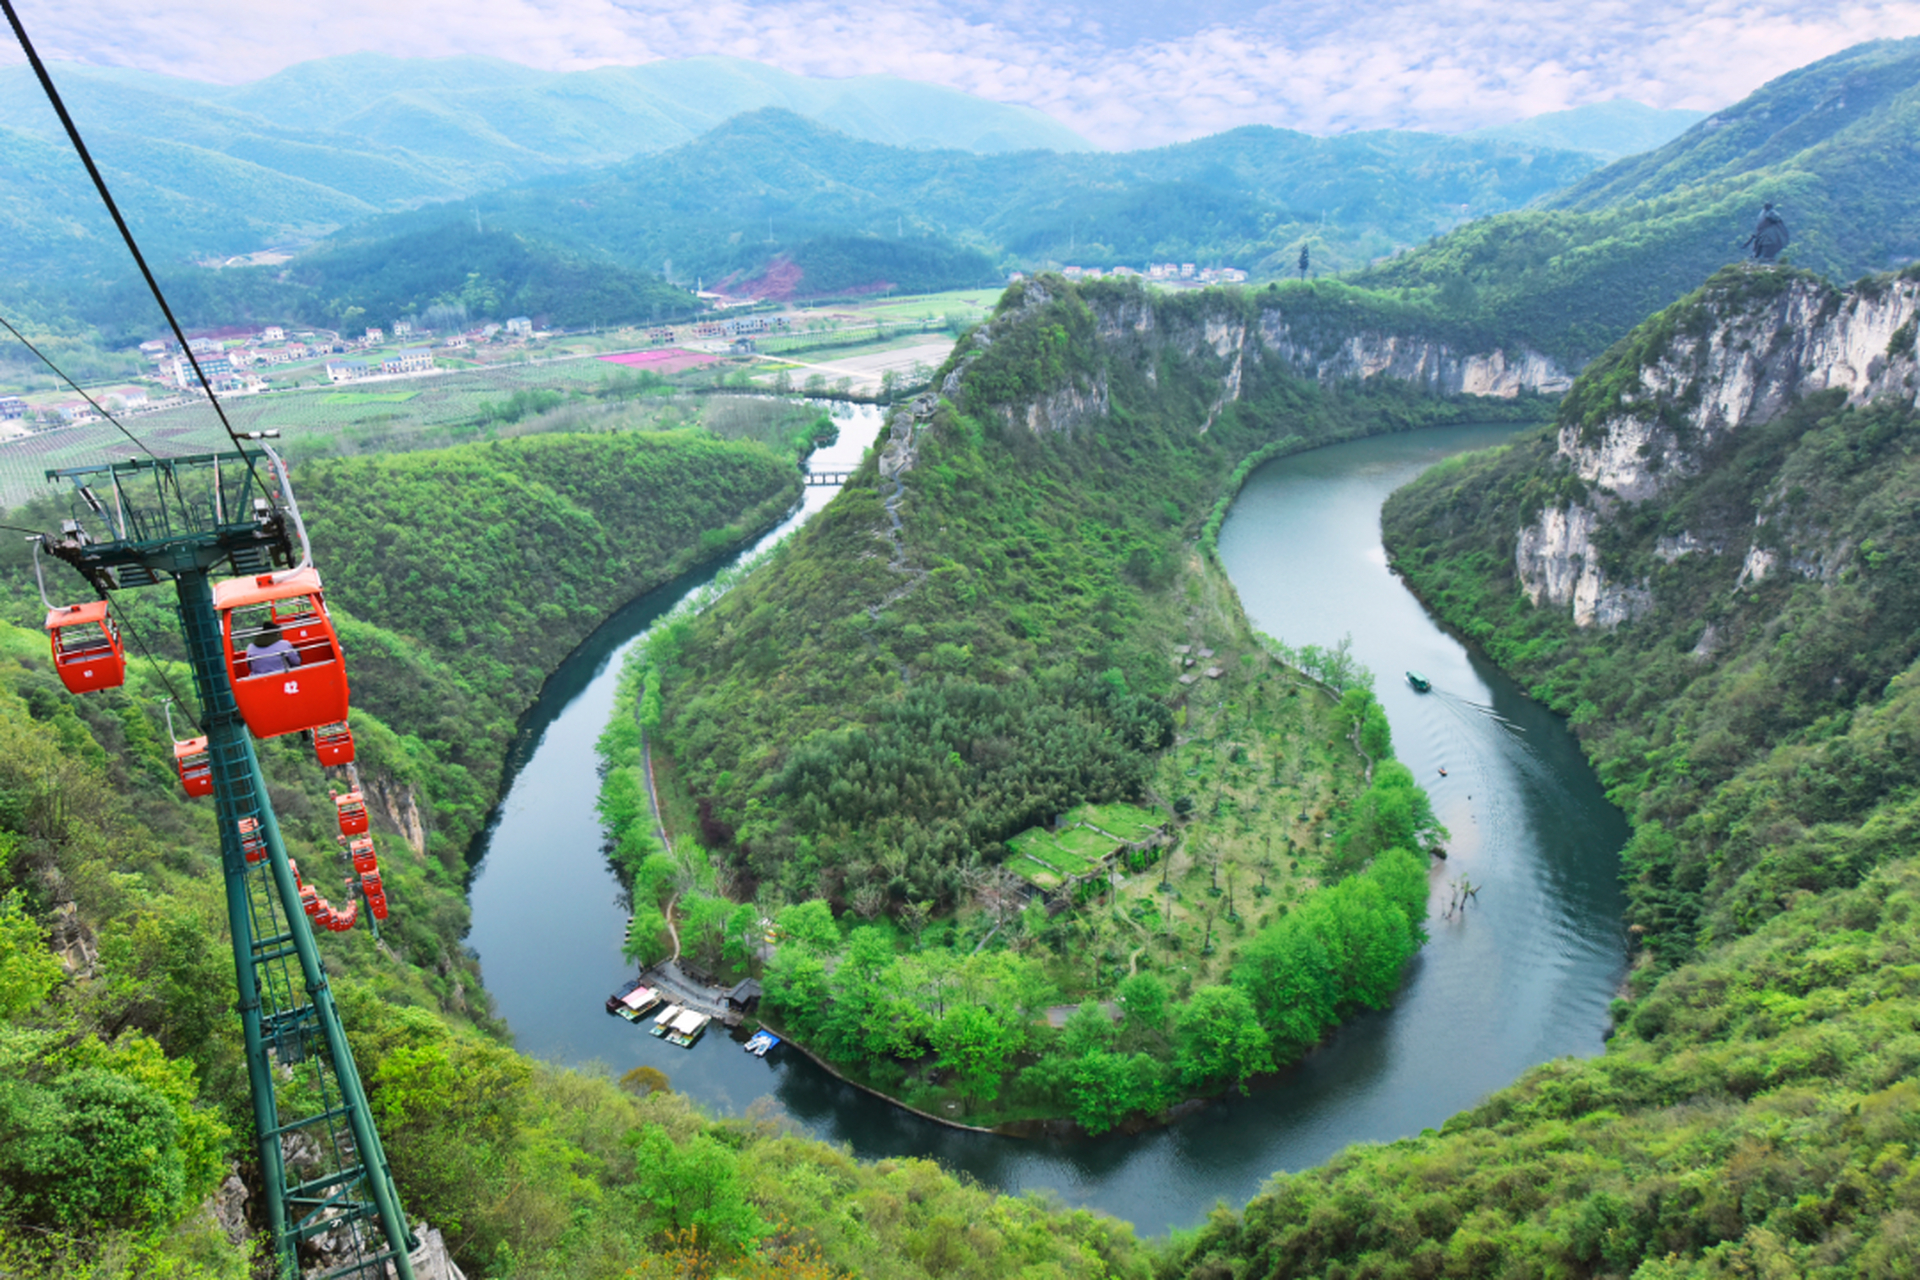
1832	144
1755	1112
123	1100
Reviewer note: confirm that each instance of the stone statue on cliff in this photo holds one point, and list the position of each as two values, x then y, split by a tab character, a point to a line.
1769	235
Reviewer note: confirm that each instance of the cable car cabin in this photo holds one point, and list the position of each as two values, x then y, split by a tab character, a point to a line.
377	903
370	884
352	809
342	921
361	851
253	841
310	900
86	647
194	765
283	653
333	744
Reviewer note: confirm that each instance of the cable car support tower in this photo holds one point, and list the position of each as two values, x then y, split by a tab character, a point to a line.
139	523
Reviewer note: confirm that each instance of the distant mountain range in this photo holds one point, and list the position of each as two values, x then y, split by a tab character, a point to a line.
208	171
1833	144
1609	130
438	181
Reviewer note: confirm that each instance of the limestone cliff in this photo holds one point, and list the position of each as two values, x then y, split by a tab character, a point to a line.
1326	335
1648	416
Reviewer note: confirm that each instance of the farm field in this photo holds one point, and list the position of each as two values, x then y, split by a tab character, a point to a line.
436	410
865	369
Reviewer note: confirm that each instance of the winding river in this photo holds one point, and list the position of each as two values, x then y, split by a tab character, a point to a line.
1523	974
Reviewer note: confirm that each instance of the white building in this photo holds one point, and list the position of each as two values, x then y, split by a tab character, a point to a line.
273	333
346	370
412	360
520	327
375	336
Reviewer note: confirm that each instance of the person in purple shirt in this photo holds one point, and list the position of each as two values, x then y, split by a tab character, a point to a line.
270	653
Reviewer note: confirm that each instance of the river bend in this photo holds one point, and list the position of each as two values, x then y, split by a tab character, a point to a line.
1523	975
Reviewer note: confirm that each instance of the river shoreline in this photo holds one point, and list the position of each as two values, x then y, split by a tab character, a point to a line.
1525	978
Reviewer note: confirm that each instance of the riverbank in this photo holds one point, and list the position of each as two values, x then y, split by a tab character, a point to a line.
1512	984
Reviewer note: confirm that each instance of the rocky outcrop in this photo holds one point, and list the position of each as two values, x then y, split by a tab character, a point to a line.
1736	356
1428	362
1229	334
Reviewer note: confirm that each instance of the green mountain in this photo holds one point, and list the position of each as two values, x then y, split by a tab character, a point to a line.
1607	129
209	171
1709	564
1830	143
769	192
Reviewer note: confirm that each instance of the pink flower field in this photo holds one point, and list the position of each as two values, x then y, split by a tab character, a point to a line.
665	360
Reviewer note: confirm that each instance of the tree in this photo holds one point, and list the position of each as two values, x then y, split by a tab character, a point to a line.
1108	1087
1218	1039
744	932
976	1044
797	985
696	1186
28	971
810	925
1143	998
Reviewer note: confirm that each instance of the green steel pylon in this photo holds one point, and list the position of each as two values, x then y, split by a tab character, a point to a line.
135	524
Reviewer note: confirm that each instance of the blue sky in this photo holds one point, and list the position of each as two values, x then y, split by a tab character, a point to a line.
1125	73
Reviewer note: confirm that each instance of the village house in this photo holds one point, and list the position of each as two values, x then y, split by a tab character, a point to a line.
520	327
273	333
12	407
346	370
411	360
375	337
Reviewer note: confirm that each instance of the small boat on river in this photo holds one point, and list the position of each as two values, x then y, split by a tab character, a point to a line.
634	1002
686	1028
1419	682
663	1020
760	1042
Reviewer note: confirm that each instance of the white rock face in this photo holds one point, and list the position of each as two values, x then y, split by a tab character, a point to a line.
1757	359
1222	337
1424	361
1556	562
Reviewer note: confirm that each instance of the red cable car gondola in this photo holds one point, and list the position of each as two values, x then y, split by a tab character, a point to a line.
86	647
333	744
253	841
282	652
352	811
342	921
361	851
194	765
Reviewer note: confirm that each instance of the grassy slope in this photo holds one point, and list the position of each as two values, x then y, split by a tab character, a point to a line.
1756	1112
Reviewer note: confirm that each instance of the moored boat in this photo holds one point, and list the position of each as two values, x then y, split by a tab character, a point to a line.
663	1020
760	1042
634	1003
686	1028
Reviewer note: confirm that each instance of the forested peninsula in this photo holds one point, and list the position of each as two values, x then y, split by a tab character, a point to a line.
1041	827
1708	564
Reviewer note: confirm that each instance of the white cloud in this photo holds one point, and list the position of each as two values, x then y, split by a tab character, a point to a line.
1443	64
